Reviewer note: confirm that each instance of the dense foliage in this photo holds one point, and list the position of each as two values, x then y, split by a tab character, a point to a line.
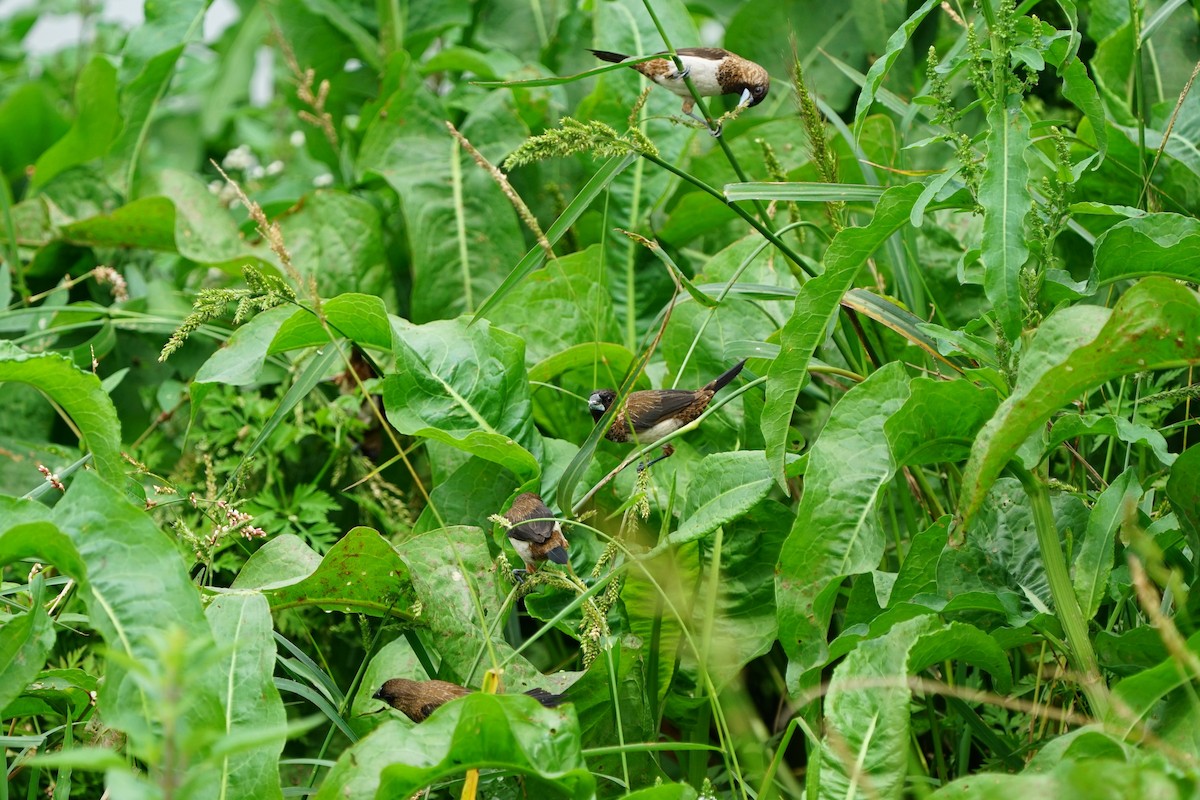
298	296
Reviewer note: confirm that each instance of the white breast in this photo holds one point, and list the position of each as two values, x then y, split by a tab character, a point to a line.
703	75
667	426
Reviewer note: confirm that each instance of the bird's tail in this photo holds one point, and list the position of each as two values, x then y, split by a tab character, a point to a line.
548	699
608	55
721	380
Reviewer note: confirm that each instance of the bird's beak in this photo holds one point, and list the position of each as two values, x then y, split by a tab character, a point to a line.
378	695
746	98
596	405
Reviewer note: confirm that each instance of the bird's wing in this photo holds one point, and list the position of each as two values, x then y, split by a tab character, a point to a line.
646	409
536	530
709	53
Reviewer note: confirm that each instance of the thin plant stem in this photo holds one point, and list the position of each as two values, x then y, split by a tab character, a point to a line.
1066	604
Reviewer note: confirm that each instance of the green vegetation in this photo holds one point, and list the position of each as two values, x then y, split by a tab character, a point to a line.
292	310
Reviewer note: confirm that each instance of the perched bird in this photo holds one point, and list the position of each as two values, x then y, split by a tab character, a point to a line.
713	71
419	699
536	534
648	416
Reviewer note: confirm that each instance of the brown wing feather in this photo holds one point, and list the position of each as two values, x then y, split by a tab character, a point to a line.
711	53
646	409
530	507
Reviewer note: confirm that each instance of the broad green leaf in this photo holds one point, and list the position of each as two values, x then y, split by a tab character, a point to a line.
1006	200
182	216
512	733
461	230
939	421
95	123
1001	553
1085	777
563	306
743	624
630	715
240	362
456	580
361	318
1183	490
868	734
466	387
537	256
136	590
836	532
816	306
1072	426
1094	562
724	487
282	561
1155	325
337	239
25	642
615	356
30	122
243	678
79	394
896	44
361	574
1156	244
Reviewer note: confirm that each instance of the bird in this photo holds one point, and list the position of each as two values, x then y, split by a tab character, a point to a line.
419	699
713	71
649	415
535	534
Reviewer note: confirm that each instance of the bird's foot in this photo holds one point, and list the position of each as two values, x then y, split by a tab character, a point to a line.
676	75
519	575
713	132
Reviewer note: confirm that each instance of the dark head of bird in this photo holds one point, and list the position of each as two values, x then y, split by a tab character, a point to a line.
600	401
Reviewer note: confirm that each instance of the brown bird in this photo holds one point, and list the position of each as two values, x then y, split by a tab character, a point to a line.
649	415
536	535
713	71
419	699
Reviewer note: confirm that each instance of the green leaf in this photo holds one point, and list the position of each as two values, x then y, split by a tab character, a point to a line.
563	306
896	45
361	573
25	642
243	678
836	532
181	216
337	239
537	256
1183	490
512	733
1094	562
868	736
136	589
724	487
742	625
461	230
815	308
1156	244
456	580
79	394
466	387
95	123
1006	200
1155	325
1001	554
1072	426
360	318
939	421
